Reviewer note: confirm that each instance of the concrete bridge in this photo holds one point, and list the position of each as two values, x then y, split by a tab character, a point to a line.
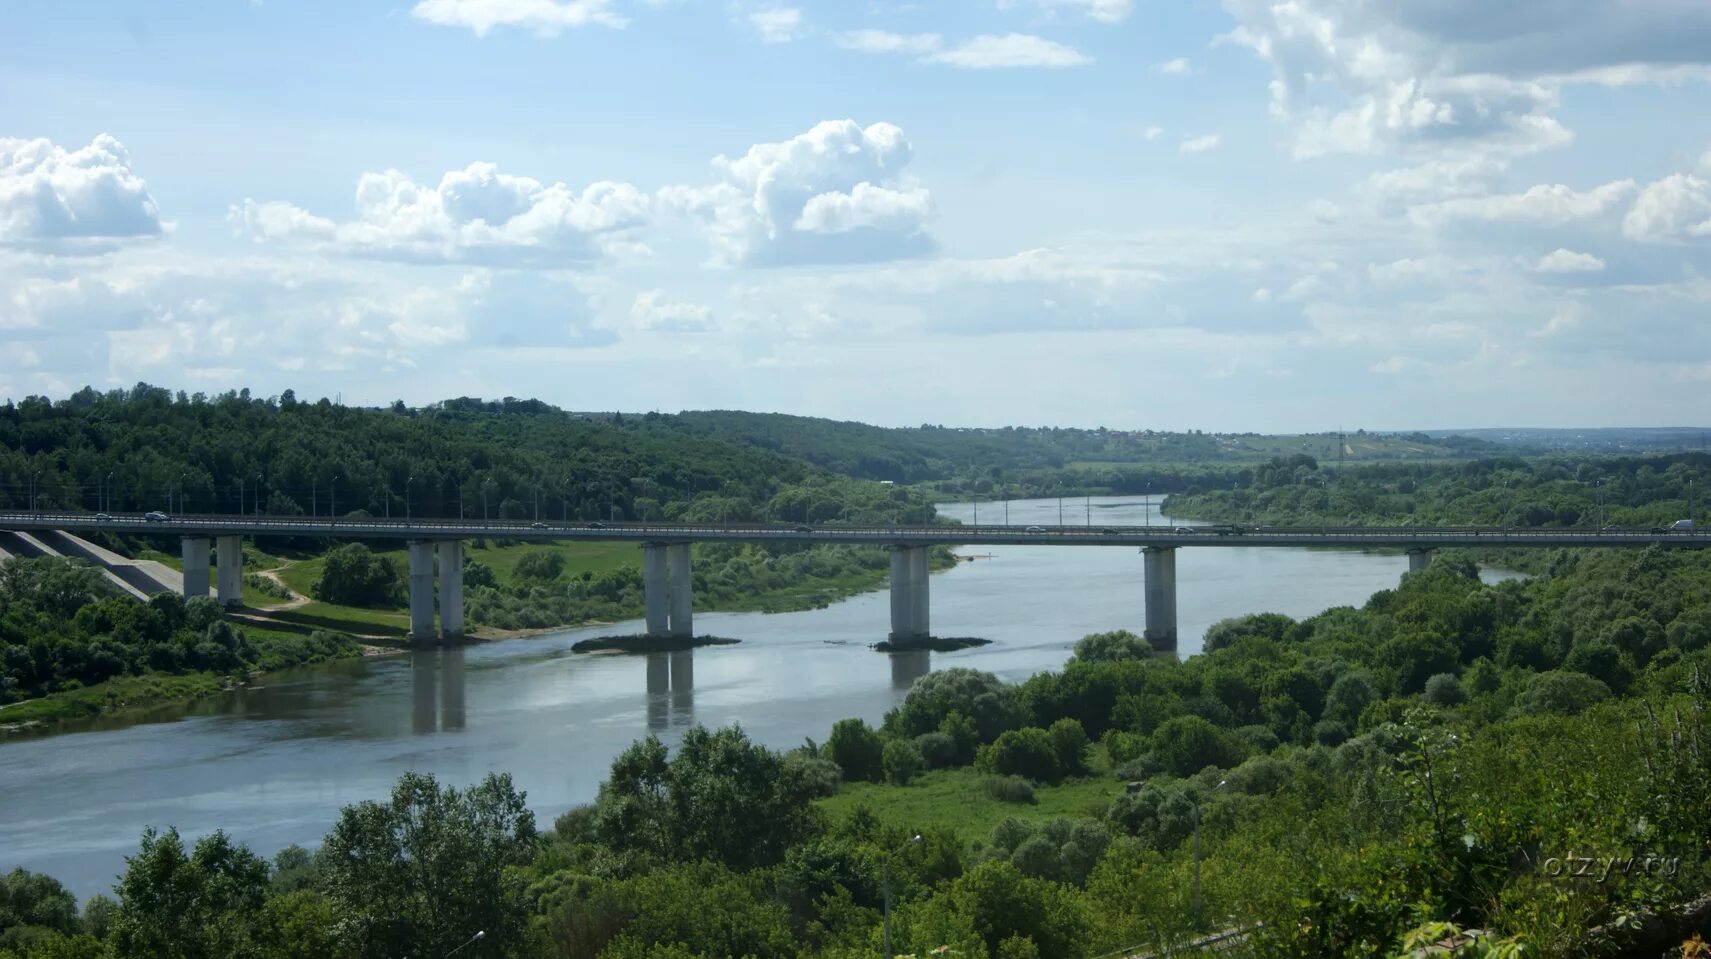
435	549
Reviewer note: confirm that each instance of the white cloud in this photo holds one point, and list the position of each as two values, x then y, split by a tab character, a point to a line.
835	194
1201	144
474	215
1174	68
1154	133
545	17
1568	261
777	24
50	196
1365	77
989	51
1672	210
1105	11
880	41
1545	204
653	311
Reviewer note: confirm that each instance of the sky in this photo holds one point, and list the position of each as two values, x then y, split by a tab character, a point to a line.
1268	215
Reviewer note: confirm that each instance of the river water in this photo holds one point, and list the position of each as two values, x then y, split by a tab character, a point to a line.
273	764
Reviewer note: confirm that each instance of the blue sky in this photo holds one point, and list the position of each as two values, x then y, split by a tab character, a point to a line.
1246	214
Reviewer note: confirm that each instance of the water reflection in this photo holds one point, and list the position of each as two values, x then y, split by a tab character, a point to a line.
671	689
437	691
908	666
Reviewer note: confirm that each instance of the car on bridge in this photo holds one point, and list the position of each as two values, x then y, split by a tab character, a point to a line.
804	529
537	526
1035	529
156	516
596	525
102	517
1682	526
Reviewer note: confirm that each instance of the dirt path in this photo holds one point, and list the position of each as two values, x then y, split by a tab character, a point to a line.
297	599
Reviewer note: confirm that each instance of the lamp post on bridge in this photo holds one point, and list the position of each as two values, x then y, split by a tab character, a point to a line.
408	482
33	477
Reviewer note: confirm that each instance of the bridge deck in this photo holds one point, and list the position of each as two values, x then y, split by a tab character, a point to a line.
1403	537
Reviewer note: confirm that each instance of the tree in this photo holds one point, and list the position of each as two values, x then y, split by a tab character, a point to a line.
1028	752
1444	689
202	905
32	901
856	748
982	697
1348	697
903	762
542	565
418	874
1560	692
1070	743
1188	744
1114	645
351	575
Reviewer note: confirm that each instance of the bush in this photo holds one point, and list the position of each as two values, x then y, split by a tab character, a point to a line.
938	750
1139	769
856	748
353	576
1012	789
1349	696
1070	743
1108	647
902	762
1329	732
1560	692
1121	747
813	775
982	697
1026	752
1444	689
1188	744
541	565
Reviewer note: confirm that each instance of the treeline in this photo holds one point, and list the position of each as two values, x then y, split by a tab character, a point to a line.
146	448
1364	780
63	628
1508	491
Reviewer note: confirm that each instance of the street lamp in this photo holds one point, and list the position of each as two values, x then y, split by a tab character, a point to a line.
107	492
1197	922
408	480
256	505
480	935
885	873
33	489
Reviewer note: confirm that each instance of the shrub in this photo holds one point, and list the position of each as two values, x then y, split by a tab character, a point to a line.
982	697
1187	744
1138	769
902	761
353	576
1329	732
938	750
1349	696
1121	747
1107	647
1026	752
1012	789
1444	689
1070	743
542	565
815	776
1560	692
856	748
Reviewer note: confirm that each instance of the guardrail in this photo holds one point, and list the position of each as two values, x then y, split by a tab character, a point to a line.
362	527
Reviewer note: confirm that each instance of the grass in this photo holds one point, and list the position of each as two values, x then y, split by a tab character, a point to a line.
956	800
578	557
118	693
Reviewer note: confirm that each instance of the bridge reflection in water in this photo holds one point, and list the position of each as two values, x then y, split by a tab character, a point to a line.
671	689
436	691
908	666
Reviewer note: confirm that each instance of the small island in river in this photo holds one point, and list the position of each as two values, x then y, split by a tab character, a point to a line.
643	643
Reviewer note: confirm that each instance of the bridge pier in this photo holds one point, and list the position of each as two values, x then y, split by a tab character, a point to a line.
656	589
1160	567
682	592
910	606
194	550
451	589
1419	559
229	574
421	591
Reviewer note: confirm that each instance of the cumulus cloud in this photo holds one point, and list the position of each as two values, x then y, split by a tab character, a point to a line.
54	197
1153	133
1674	209
835	194
1201	144
654	311
1568	261
1365	77
990	51
474	215
1174	68
545	17
777	24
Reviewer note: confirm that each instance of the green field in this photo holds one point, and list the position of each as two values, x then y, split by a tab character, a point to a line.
578	557
955	800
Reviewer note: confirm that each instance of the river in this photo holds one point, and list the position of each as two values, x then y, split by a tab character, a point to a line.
273	764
